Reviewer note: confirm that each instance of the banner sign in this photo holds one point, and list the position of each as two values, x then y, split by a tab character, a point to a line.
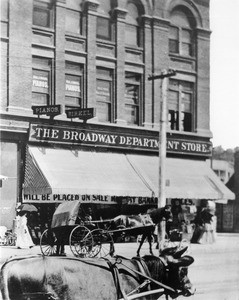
97	199
49	133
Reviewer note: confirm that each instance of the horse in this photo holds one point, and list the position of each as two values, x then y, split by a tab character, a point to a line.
153	217
51	277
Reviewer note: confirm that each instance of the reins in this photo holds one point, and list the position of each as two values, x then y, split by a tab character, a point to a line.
119	261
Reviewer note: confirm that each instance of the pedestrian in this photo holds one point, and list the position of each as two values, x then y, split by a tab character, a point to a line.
24	239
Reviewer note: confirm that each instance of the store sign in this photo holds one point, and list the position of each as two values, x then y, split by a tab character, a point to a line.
66	135
81	113
49	110
58	198
97	199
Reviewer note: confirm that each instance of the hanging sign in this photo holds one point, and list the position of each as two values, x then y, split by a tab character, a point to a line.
49	110
81	113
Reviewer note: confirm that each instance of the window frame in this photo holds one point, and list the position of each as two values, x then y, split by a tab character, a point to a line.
178	119
109	38
50	70
77	73
137	106
44	7
109	79
80	22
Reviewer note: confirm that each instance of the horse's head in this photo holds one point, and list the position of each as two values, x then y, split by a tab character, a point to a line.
171	269
167	213
119	221
163	213
177	266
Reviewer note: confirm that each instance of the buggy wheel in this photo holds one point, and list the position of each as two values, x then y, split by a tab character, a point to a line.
48	242
103	243
81	241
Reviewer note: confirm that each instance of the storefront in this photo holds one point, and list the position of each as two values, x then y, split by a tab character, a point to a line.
114	169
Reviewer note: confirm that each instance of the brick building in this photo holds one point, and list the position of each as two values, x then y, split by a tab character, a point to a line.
98	54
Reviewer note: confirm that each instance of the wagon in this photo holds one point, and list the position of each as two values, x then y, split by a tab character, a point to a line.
85	239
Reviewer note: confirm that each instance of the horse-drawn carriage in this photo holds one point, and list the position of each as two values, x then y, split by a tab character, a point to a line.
87	238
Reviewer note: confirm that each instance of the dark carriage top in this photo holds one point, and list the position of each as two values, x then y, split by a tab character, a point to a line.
66	214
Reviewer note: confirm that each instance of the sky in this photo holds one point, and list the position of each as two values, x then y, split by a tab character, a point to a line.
224	64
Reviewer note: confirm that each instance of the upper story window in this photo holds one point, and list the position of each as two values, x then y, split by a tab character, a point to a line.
180	105
73	85
132	97
181	32
74	19
104	25
42	81
73	22
104	94
132	29
42	14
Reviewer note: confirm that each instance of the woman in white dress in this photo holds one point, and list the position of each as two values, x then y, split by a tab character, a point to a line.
24	239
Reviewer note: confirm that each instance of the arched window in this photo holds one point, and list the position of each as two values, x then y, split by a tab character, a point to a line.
104	25
181	33
132	32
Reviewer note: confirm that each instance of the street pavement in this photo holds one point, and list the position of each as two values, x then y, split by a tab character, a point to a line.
214	273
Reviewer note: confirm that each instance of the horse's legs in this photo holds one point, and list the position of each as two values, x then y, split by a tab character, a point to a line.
150	243
141	243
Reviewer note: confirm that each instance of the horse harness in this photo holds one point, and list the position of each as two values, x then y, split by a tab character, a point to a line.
116	268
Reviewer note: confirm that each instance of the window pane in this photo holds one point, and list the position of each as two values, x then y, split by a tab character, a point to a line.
132	94
173	46
186	36
186	102
131	114
103	28
39	99
131	35
173	120
173	99
187	121
41	16
103	91
173	33
40	81
72	102
103	111
73	85
73	21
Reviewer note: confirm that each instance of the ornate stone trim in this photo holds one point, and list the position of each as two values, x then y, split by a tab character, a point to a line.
119	14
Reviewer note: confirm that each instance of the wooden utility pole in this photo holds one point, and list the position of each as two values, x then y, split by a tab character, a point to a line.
162	148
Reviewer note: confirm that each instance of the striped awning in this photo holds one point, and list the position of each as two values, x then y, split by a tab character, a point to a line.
62	171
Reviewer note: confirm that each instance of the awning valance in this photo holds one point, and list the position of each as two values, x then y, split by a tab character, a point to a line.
62	171
191	179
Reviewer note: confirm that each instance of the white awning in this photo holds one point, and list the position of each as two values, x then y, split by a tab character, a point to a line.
191	179
62	171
